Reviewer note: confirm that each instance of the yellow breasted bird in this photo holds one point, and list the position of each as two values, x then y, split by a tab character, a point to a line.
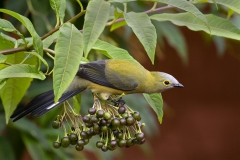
106	77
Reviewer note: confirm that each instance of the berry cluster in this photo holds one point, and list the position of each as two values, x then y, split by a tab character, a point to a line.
115	123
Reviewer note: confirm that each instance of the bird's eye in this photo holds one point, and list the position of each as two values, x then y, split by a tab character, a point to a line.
166	83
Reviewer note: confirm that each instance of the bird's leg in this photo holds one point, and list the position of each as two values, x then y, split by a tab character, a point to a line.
118	101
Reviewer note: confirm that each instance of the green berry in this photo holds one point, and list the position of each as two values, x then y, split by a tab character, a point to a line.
81	143
122	143
124	115
99	144
65	142
94	119
115	123
120	135
104	128
73	137
55	124
78	148
100	113
107	115
56	144
130	121
96	128
73	142
86	141
136	116
130	142
140	136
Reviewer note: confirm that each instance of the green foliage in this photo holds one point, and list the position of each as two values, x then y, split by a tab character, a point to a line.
8	27
144	30
59	7
21	70
95	20
156	102
219	26
231	4
61	49
67	59
37	43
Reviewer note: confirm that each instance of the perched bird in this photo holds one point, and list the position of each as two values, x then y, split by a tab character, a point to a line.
105	77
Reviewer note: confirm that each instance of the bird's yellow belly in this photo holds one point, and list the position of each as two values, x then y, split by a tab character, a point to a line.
95	88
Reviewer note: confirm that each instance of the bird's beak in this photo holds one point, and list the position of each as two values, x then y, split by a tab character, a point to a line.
178	85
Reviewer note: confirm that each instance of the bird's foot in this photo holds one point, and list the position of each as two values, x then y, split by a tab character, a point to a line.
117	101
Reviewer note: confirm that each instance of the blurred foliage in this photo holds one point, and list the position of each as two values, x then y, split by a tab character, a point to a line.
34	136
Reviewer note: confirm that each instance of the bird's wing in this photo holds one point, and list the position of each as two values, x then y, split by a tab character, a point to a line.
96	72
42	104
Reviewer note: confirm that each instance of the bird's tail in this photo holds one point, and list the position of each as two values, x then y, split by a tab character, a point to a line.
43	103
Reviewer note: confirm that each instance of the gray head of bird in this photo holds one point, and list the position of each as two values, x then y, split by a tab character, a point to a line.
167	81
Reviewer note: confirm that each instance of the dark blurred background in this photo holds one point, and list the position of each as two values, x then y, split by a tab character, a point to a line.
201	121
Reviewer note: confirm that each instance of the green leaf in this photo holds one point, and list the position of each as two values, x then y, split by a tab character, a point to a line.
2	58
77	103
219	26
118	25
230	13
21	70
6	42
6	149
12	93
214	1
156	102
50	39
37	43
144	30
95	20
232	4
189	7
117	14
8	27
69	50
174	38
33	147
59	7
111	51
2	83
220	45
15	88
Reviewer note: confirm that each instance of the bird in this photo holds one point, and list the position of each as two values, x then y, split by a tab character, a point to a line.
103	77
